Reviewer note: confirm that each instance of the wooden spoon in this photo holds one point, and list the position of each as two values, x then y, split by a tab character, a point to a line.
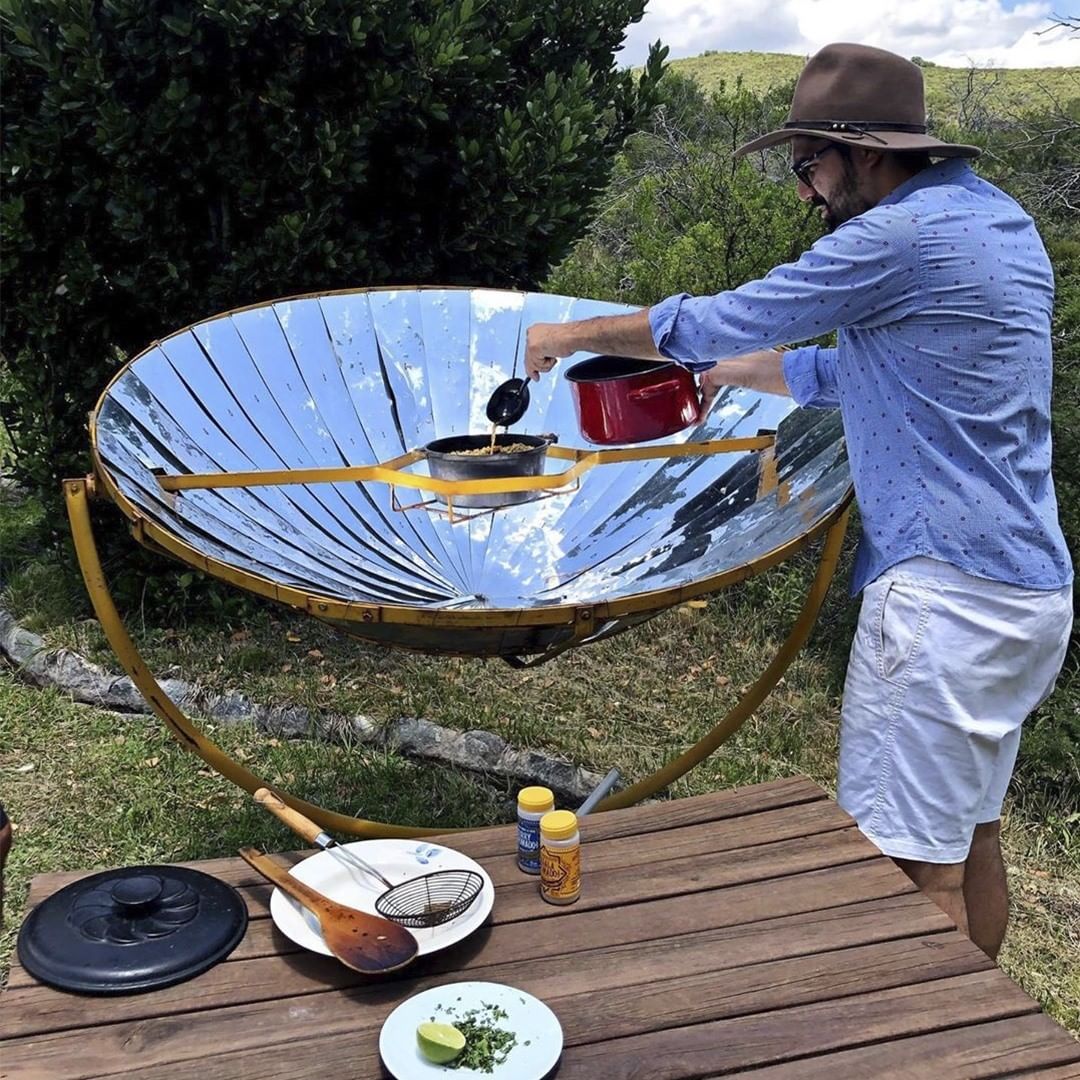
363	942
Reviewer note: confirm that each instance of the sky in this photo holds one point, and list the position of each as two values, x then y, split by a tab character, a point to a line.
998	33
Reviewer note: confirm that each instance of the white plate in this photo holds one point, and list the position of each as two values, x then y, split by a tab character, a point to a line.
398	860
538	1031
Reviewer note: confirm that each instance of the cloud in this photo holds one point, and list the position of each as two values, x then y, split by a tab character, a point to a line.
954	32
689	27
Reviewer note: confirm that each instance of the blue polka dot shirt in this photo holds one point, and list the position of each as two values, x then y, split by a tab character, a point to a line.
942	296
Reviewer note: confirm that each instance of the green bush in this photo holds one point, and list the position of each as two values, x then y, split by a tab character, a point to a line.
1065	255
165	160
680	215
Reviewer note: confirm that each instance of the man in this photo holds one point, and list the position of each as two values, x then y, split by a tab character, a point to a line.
941	292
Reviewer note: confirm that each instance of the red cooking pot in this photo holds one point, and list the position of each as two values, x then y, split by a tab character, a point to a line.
620	400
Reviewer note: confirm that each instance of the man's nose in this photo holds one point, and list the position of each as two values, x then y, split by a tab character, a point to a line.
804	191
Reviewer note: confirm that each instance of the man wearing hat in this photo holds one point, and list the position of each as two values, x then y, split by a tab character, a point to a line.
941	292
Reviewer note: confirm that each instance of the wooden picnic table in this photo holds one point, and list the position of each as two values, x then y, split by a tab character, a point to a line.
754	929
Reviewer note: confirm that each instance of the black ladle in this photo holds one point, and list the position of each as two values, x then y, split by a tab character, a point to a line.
508	403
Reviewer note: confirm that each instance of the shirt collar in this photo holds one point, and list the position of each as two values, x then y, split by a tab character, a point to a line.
948	171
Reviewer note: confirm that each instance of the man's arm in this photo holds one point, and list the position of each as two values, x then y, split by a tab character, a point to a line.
617	335
762	371
631	335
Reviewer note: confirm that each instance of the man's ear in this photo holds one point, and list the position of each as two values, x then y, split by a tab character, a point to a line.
872	159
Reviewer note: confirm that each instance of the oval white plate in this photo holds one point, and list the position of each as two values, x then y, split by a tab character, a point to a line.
399	860
538	1031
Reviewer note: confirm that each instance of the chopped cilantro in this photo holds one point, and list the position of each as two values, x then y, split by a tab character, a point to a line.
486	1044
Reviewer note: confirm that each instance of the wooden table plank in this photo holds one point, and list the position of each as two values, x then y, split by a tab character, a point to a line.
726	834
1031	1046
484	843
800	1032
1058	1072
677	877
592	999
619	872
754	929
740	909
763	826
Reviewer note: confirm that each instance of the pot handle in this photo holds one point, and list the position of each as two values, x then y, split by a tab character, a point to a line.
655	390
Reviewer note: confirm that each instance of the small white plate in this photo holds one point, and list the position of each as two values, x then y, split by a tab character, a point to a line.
539	1033
398	860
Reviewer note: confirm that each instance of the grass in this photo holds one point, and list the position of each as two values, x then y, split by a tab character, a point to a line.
88	788
999	91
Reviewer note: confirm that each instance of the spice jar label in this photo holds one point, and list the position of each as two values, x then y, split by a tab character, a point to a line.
560	874
528	842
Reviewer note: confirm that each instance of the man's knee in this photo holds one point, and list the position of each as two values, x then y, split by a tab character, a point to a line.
986	839
943	883
934	877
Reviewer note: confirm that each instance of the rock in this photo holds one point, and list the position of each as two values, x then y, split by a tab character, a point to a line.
477	750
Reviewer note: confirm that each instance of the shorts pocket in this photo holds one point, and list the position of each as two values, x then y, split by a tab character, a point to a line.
900	623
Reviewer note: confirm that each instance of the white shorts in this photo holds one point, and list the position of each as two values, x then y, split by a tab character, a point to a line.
944	669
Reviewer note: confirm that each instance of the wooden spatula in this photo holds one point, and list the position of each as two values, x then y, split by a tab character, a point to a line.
366	943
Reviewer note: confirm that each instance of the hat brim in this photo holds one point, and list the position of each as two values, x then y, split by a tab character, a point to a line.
897	141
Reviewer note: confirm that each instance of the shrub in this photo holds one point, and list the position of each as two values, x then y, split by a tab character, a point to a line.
169	159
680	215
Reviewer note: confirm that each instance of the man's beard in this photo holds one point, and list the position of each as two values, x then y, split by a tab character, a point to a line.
845	203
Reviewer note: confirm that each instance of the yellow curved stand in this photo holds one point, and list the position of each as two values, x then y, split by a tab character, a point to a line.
76	494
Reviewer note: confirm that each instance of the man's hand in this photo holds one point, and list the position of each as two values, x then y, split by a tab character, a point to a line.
710	382
544	347
614	335
762	371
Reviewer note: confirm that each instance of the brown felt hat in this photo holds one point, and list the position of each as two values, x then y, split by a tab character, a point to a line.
860	96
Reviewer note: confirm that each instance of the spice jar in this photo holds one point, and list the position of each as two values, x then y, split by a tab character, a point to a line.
560	857
533	804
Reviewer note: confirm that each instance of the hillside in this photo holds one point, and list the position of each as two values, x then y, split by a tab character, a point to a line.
999	90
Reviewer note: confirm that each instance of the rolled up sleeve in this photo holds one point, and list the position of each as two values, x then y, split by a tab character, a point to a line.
662	318
810	374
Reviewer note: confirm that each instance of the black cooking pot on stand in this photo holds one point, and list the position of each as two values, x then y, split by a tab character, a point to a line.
446	462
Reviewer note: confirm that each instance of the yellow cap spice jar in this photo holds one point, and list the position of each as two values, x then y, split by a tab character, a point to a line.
560	857
533	804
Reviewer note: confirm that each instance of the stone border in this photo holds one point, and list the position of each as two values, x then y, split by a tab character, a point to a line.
477	751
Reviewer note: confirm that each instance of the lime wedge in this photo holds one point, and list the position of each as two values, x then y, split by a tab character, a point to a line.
439	1043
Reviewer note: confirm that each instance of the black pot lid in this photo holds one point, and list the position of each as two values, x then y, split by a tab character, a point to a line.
132	929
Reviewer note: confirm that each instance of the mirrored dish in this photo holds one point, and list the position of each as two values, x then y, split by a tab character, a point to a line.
360	378
399	861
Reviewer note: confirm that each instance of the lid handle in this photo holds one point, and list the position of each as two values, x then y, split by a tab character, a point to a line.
137	895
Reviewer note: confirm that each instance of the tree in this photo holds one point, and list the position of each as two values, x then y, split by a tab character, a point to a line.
680	214
1063	22
168	159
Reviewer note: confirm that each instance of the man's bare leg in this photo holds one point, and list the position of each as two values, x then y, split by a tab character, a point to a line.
986	889
943	883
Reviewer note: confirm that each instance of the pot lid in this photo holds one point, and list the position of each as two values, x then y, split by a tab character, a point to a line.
132	929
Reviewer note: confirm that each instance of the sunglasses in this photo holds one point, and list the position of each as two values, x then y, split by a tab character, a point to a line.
804	169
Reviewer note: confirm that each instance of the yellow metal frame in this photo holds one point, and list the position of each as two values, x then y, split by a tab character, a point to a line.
78	491
572	616
393	472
